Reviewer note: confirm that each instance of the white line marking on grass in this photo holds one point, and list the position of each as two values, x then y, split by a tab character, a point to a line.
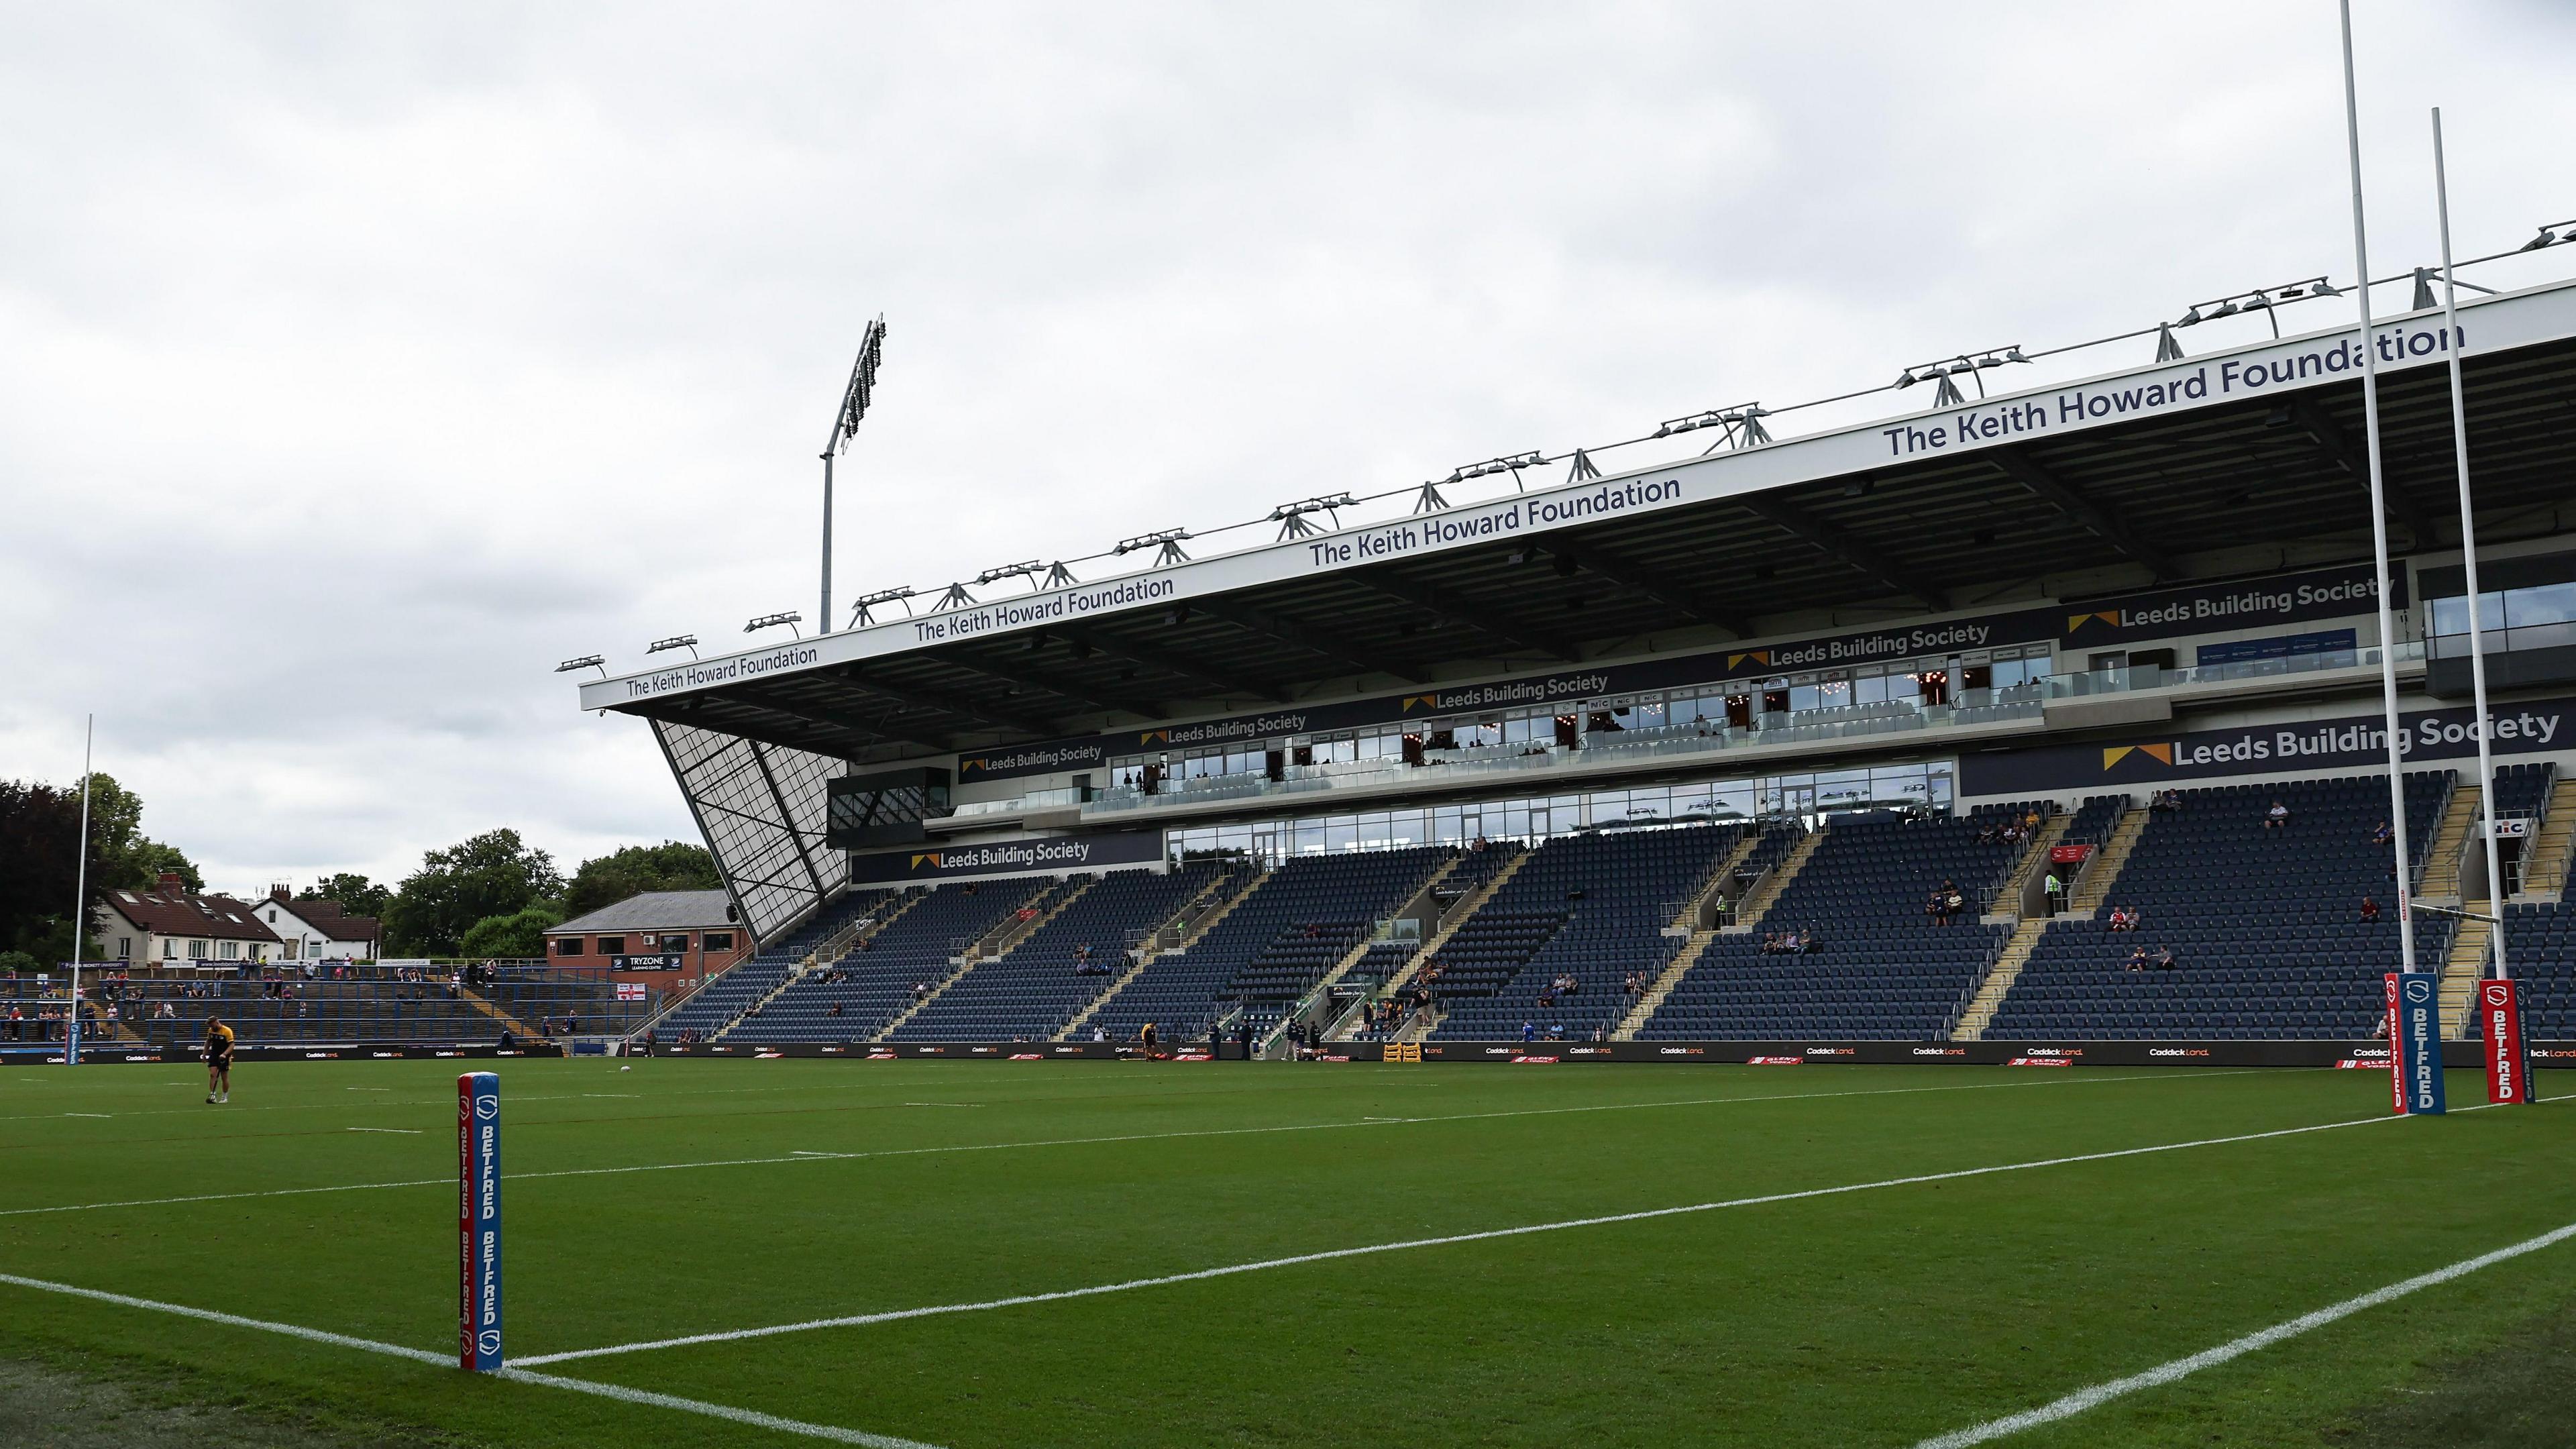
2162	1075
89	1114
613	1094
2084	1399
406	1131
1489	1235
448	1360
943	1104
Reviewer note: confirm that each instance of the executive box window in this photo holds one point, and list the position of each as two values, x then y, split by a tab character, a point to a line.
718	940
2526	623
568	945
612	945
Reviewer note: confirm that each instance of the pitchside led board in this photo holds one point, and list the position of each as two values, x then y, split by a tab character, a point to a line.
478	1221
2415	1041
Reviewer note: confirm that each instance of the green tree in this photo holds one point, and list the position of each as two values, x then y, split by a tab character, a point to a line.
670	866
492	874
357	895
520	935
40	831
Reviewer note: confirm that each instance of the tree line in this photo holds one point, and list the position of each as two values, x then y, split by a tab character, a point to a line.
488	895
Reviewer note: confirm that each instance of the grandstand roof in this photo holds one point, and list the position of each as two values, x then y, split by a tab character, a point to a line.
2135	473
652	911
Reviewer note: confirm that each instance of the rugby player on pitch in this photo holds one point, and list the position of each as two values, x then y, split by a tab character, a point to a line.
219	1060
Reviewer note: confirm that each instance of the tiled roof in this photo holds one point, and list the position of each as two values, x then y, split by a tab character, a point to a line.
653	911
167	912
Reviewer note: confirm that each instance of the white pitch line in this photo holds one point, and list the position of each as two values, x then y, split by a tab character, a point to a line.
448	1360
2084	1399
406	1131
101	1115
2167	1074
1332	1254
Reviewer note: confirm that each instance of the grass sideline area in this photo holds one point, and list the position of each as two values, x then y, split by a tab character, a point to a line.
1880	1316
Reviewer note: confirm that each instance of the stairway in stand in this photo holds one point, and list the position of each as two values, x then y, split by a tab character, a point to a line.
1688	956
2007	968
1459	915
2460	972
1252	882
2544	876
2441	875
2034	859
1750	910
2102	874
1012	931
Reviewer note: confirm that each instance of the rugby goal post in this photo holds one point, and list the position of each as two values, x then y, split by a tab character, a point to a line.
478	1221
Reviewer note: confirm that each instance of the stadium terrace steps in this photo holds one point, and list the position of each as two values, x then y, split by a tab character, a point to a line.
1758	902
1223	883
862	931
1878	969
1055	966
1452	920
2104	873
988	945
510	1023
852	1000
2440	880
2460	974
1360	951
1701	911
1683	960
2034	860
1991	991
2544	876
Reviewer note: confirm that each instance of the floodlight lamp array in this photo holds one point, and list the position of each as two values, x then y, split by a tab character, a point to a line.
771	621
2260	299
676	641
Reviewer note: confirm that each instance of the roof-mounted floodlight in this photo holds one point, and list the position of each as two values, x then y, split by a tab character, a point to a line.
1167	542
676	641
2261	299
1949	369
864	611
1291	517
1743	425
1511	463
587	661
1028	569
771	621
2565	233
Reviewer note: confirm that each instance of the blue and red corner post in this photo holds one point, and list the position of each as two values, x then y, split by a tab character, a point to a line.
478	1221
2415	1041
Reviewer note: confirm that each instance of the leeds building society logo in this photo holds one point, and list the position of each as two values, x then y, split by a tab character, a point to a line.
1427	701
932	856
2114	754
1756	656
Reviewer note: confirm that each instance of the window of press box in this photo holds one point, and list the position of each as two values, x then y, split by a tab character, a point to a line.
718	940
612	945
567	945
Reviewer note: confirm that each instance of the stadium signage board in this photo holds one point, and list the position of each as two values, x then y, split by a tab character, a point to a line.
2495	324
478	1221
2246	603
1043	854
2347	742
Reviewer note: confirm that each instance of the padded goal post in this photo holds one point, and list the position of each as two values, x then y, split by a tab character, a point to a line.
478	1221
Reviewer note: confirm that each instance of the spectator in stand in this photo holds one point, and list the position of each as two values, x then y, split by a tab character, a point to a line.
2276	817
2165	959
1529	1031
2138	959
2383	834
2056	887
2369	909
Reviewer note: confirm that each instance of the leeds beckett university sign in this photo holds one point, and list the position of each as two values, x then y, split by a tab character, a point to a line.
2495	324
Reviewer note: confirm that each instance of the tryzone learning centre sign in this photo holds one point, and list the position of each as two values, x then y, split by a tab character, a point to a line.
2491	324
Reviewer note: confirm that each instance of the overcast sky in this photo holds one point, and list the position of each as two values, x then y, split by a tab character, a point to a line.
358	363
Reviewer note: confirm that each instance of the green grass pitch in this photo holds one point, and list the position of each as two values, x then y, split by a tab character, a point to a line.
1882	1316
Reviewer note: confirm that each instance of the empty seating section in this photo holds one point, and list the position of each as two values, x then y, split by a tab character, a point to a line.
319	1011
585	1003
719	1002
1037	986
1880	969
2264	924
1183	991
853	998
1589	910
2523	789
2540	952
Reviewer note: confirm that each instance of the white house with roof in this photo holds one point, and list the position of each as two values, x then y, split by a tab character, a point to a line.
170	923
316	930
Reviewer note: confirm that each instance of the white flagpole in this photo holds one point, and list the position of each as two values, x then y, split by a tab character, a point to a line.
80	899
2378	510
2469	559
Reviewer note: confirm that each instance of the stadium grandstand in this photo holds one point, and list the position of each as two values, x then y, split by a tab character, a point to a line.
2027	720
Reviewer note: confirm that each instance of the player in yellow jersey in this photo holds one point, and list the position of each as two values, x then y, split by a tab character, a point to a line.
219	1060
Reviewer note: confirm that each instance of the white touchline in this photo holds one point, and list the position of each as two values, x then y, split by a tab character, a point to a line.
2083	1399
406	1131
1331	1254
448	1360
2167	1074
